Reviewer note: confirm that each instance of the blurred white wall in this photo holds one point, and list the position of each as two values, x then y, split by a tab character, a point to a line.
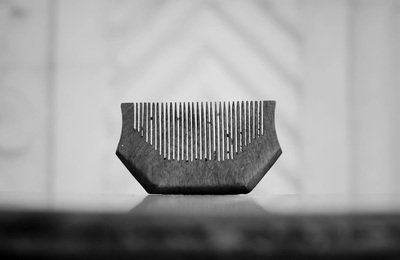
333	67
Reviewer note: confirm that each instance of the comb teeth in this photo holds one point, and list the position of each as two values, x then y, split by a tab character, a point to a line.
203	131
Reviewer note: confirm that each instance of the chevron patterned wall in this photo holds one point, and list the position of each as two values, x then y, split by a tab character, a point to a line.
211	51
67	65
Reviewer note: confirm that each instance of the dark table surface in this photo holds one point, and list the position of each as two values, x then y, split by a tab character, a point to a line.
35	225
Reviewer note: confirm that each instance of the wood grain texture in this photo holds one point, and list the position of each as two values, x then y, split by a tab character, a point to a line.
201	155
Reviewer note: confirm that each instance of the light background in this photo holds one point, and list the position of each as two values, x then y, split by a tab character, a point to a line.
333	67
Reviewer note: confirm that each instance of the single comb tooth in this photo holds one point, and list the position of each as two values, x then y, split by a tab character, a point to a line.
256	118
149	125
216	134
230	153
149	122
174	126
224	119
237	127
171	132
242	130
185	134
212	137
207	134
259	114
263	109
145	121
189	133
203	150
194	140
167	132
251	122
162	131
221	133
247	140
180	132
176	137
260	117
158	146
140	128
153	128
198	151
136	117
216	130
234	123
182	129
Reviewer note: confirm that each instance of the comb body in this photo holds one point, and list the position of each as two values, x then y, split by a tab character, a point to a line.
198	148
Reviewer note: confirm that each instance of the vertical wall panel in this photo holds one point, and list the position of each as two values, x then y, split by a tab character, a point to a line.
374	91
24	95
396	94
325	126
86	109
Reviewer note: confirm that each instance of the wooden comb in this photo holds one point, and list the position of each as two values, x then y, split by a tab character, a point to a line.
198	148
